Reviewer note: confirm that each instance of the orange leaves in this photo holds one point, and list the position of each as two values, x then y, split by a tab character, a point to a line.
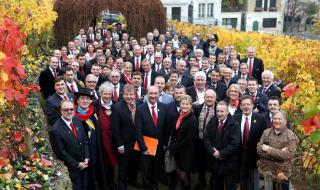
11	70
290	90
311	124
45	162
3	162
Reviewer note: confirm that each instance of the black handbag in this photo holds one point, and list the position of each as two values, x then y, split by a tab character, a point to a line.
169	160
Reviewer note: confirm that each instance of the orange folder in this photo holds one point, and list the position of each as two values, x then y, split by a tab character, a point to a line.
151	144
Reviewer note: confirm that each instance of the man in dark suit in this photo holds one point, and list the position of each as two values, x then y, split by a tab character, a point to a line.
61	64
140	92
194	45
168	53
227	79
70	144
273	108
136	59
96	71
212	48
204	112
114	78
157	66
183	79
255	65
150	120
260	100
252	126
124	135
218	87
222	140
268	88
148	74
243	72
73	85
197	91
91	35
166	69
47	76
53	102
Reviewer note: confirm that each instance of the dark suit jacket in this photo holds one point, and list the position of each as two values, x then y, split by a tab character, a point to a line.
78	85
145	126
133	61
192	92
186	81
271	91
65	145
261	102
230	83
89	39
257	68
227	143
221	90
46	83
207	53
182	145
100	81
51	107
154	74
120	93
258	125
122	126
172	113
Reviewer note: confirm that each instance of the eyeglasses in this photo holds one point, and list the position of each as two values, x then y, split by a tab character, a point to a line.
114	76
91	81
68	109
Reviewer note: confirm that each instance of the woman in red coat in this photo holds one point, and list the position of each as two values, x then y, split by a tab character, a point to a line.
104	107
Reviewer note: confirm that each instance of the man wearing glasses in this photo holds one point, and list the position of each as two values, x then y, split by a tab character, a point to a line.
70	144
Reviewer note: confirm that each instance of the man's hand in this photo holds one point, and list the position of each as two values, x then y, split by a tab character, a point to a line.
216	154
265	148
146	152
82	165
281	176
121	149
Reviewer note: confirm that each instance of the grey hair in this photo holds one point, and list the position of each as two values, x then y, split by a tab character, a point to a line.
105	86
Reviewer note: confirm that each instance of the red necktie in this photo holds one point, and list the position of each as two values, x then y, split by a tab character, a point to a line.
54	73
72	89
74	131
220	127
142	52
146	81
65	97
137	93
154	116
245	135
253	98
250	67
158	68
137	65
115	94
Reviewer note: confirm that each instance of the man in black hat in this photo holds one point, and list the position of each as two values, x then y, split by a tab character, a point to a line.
70	144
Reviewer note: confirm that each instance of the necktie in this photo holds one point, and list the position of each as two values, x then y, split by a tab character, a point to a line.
65	97
154	116
146	81
206	117
72	89
137	65
74	131
264	90
250	67
137	93
142	52
92	39
115	94
220	126
245	135
253	97
54	73
158	68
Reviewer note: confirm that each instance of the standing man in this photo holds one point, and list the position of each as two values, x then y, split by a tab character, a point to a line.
148	74
124	134
268	88
47	76
150	121
252	126
70	144
222	140
197	91
255	65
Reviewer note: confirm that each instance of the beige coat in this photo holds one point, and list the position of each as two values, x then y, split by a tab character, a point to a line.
277	159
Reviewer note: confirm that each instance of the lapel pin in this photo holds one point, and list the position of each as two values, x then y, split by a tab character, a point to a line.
254	121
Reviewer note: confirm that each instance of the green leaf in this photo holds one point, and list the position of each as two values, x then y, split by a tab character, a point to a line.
311	111
315	136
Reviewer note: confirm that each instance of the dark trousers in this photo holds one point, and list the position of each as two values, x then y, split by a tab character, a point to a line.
201	160
127	168
151	169
281	185
249	177
79	179
223	181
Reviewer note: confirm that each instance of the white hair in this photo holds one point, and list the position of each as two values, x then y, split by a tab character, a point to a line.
200	74
268	73
105	86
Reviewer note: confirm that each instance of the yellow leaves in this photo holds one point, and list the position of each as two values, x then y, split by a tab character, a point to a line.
3	76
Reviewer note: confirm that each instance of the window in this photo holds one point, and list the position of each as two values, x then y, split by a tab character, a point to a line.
273	4
258	4
210	10
269	23
202	8
176	13
230	22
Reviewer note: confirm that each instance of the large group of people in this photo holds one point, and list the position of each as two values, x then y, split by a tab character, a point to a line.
113	102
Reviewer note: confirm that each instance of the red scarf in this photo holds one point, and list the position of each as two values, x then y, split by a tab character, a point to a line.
84	117
234	103
181	116
127	78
